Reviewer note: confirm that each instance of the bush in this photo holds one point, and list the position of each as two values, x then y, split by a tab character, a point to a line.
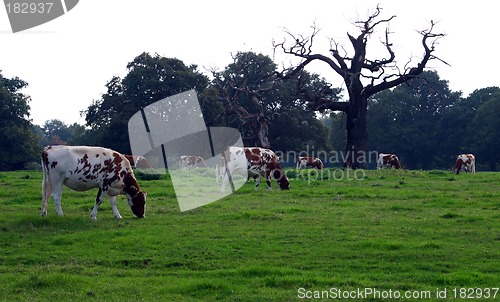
34	166
149	174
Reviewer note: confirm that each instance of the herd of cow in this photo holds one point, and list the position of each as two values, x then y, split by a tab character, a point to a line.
82	168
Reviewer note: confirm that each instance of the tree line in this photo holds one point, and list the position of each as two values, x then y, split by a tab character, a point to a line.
404	110
423	121
427	125
227	100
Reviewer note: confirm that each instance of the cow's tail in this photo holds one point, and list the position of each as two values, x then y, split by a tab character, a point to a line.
46	187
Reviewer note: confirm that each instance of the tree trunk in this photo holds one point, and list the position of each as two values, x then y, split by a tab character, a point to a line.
261	130
357	134
261	133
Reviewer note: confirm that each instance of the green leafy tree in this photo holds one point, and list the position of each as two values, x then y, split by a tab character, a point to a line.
149	79
457	119
212	107
38	132
389	132
18	143
56	132
76	133
484	134
243	87
408	121
294	126
336	125
265	108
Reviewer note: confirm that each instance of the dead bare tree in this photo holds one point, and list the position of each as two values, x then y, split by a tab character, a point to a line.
362	77
254	124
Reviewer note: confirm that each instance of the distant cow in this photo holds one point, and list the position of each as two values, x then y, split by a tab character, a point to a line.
388	161
259	162
139	162
82	168
467	161
309	162
191	161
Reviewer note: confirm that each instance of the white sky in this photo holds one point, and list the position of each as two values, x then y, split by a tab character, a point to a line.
68	61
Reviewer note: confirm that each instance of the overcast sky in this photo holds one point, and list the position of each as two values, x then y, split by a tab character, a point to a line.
68	61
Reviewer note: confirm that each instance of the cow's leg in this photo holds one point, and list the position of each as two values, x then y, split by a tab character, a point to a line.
268	176
268	182
98	201
112	202
57	202
225	179
57	187
257	182
217	174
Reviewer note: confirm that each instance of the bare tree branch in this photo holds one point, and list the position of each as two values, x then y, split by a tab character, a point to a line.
356	70
429	40
242	86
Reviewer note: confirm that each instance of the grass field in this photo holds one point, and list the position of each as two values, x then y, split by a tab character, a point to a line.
390	231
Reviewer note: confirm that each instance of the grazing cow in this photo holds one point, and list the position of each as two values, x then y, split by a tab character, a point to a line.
139	162
191	161
467	161
312	162
388	161
83	168
259	162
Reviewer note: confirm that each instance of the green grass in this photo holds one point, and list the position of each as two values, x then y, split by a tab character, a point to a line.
389	230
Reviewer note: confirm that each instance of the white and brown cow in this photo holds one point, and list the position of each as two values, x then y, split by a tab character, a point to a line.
139	162
467	161
257	162
309	162
386	160
82	168
191	161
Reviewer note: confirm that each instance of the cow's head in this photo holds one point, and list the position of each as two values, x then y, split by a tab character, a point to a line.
135	197
319	164
138	204
395	162
281	178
